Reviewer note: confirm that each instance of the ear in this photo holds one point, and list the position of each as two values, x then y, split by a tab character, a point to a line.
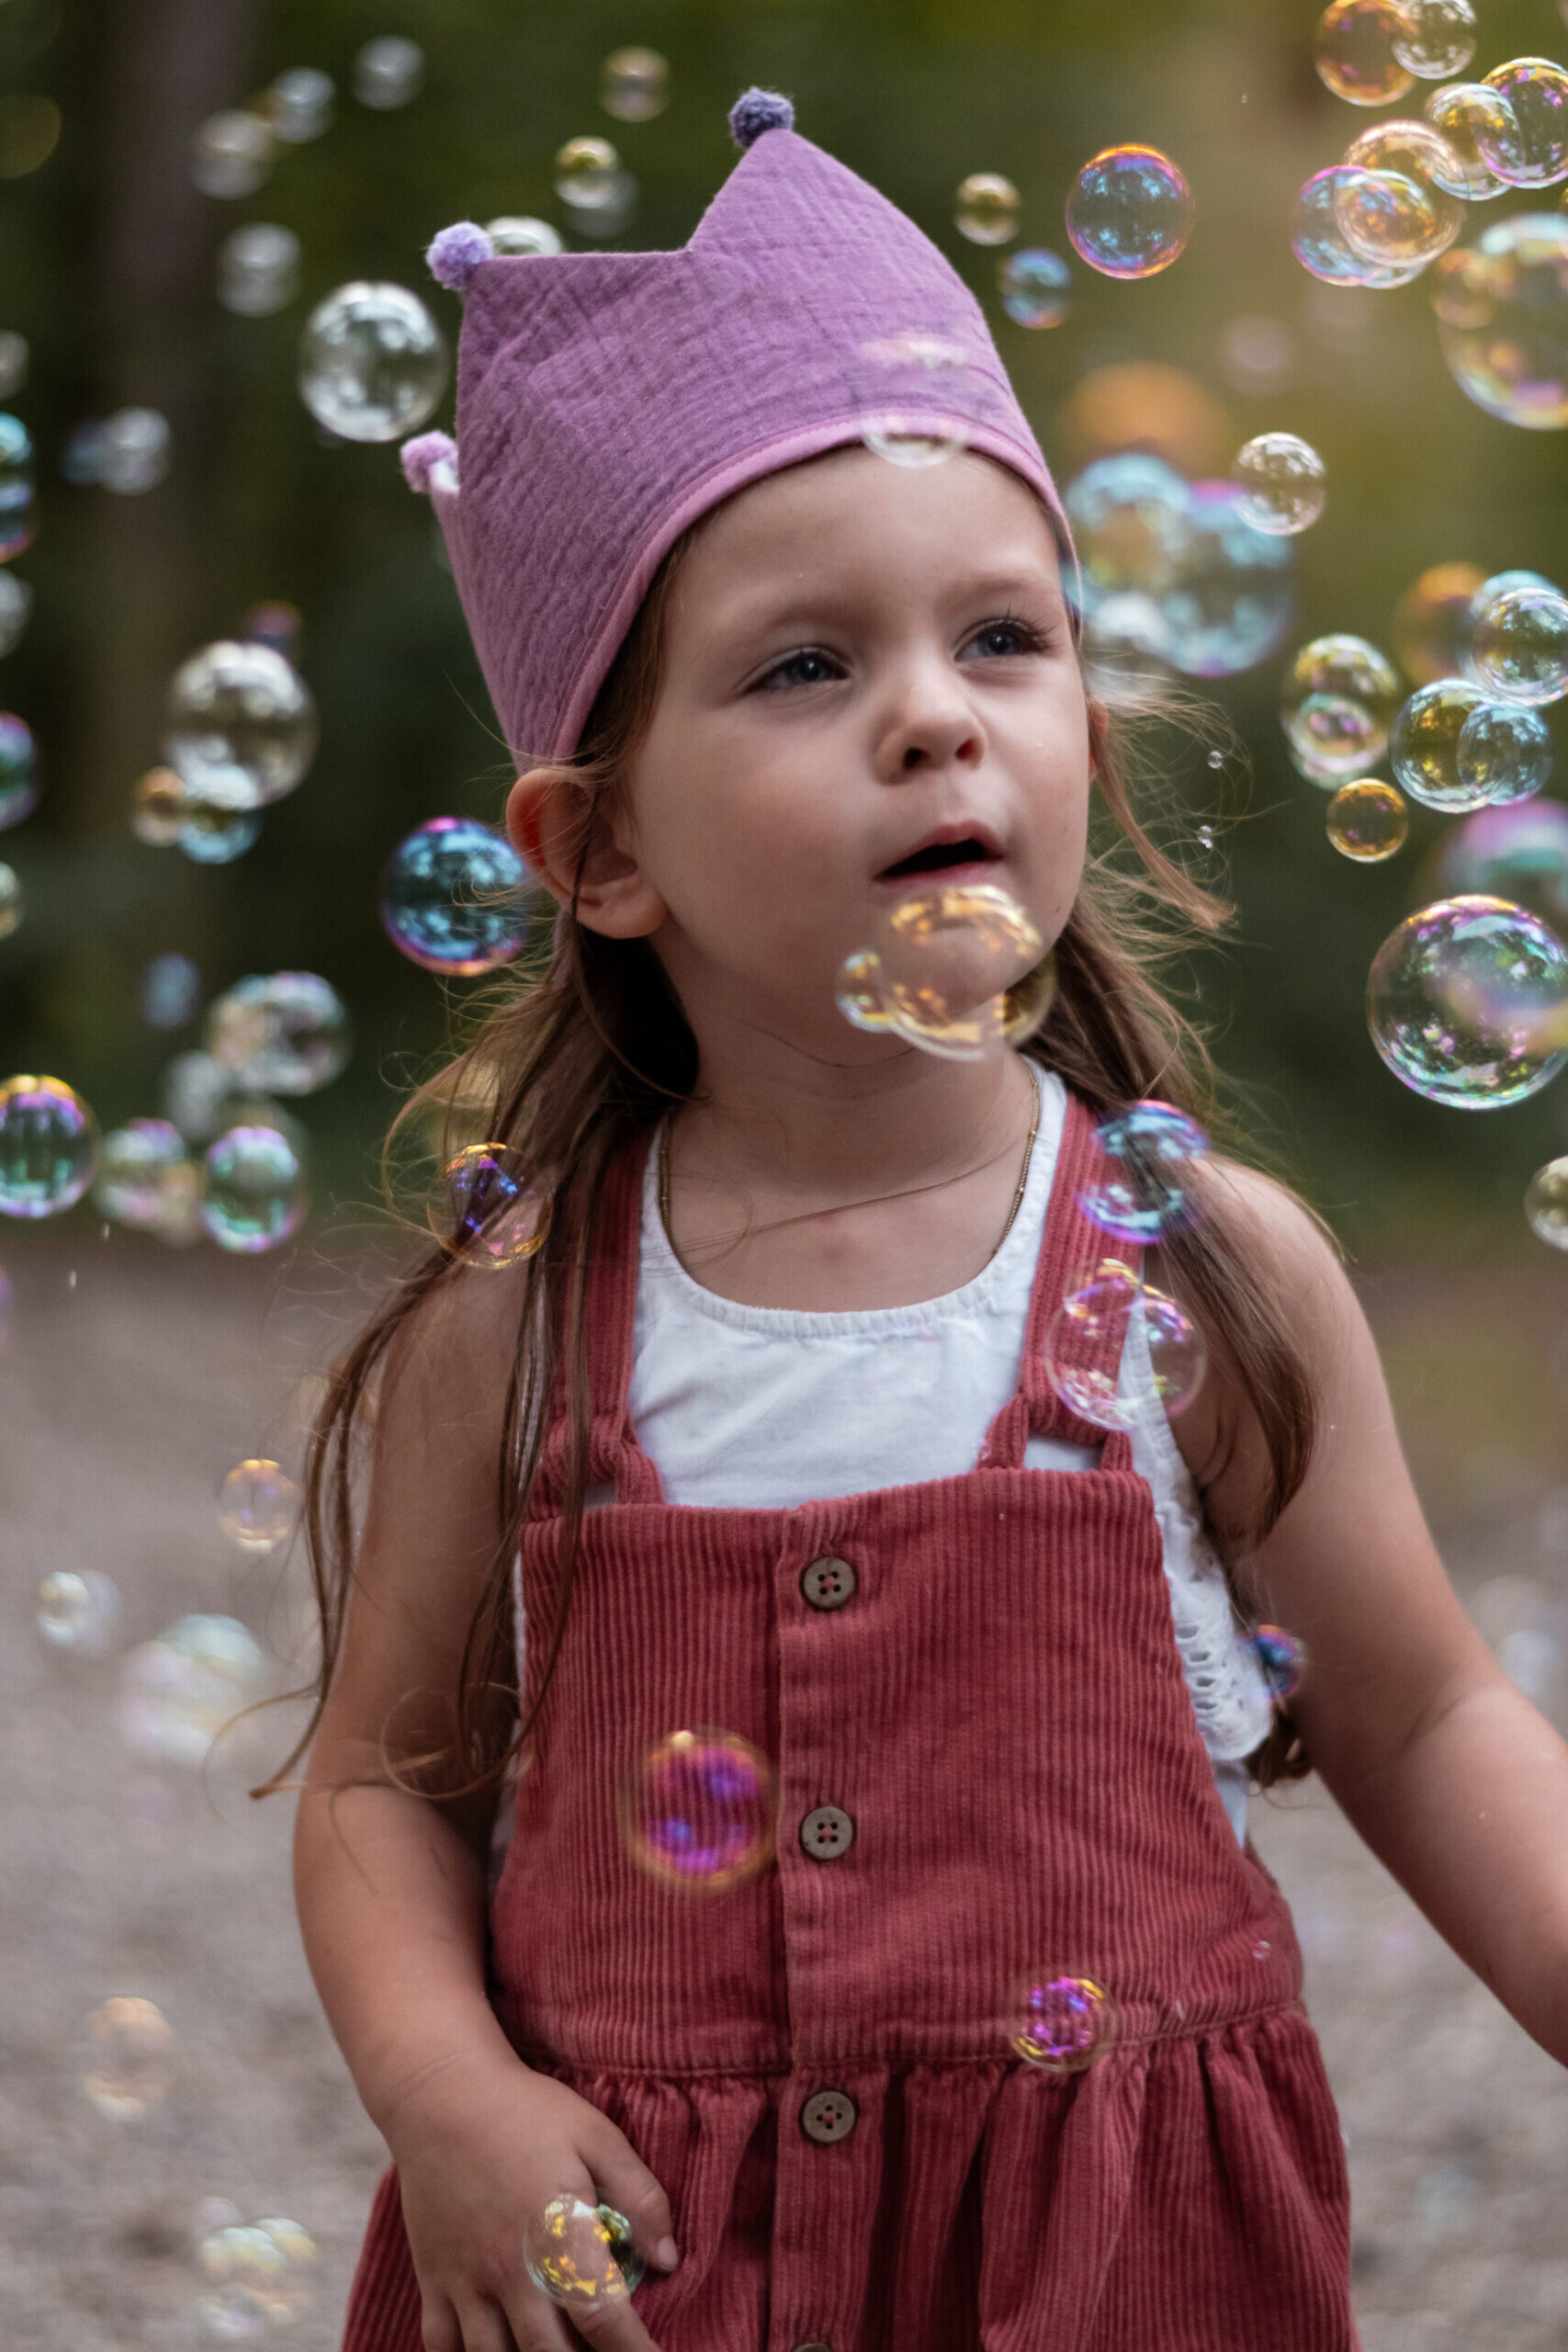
574	846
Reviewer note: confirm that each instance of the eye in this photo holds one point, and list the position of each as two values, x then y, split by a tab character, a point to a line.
809	667
1010	636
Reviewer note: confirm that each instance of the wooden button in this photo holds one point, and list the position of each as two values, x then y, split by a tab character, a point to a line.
827	2116
829	1583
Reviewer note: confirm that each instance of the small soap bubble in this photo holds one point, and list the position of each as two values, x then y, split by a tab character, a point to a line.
17	520
1461	111
15	358
1319	242
1143	1193
1338	700
259	2275
914	395
284	1032
134	1164
1087	1335
1229	604
941	967
159	807
486	1208
1423	745
521	234
1282	1660
210	836
388	72
130	2066
1435	38
202	1096
177	1693
588	174
697	1810
1416	151
1505	751
580	2254
258	269
241	726
16	600
1060	2024
18	770
1330	736
48	1147
1520	645
1282	482
373	363
257	1505
1467	1001
231	154
299	106
1354	52
455	897
79	1611
1546	1203
1389	219
1519	853
634	84
1036	287
135	451
1367	821
1533	152
1433	630
1130	213
255	1197
11	900
986	209
171	991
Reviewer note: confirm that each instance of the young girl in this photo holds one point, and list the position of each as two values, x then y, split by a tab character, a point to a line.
765	1421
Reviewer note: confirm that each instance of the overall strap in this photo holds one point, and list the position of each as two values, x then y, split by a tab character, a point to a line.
1071	1246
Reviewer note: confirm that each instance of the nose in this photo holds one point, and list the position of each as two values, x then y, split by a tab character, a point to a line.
930	726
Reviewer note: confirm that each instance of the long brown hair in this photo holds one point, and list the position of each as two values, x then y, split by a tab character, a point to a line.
576	1059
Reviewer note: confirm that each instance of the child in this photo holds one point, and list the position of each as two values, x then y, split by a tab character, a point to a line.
765	1421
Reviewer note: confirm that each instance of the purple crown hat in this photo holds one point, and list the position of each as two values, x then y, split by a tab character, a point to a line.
605	400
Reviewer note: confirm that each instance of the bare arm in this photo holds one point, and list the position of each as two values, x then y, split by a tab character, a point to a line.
1457	1783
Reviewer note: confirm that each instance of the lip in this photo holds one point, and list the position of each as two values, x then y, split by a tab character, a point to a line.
942	837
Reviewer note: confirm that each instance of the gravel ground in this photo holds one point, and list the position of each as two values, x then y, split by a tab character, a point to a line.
132	1381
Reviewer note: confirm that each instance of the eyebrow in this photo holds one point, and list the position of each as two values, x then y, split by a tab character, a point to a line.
749	617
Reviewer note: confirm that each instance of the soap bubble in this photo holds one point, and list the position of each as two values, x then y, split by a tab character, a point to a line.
10	900
454	897
1142	1195
1546	1203
231	154
1424	746
160	806
1466	1000
373	362
580	2254
1036	285
210	836
1060	2024
79	1611
1392	220
241	726
1283	483
177	1693
634	84
1534	150
284	1032
299	105
521	234
1461	112
1087	1336
1367	821
1522	645
1433	629
48	1147
16	600
257	2278
15	487
387	72
255	1190
986	209
132	1183
1505	751
1354	52
171	991
1415	151
258	269
131	2061
1517	851
1132	519
133	451
1283	1660
1319	242
941	967
588	174
914	393
487	1208
1435	38
697	1810
1229	603
1130	213
18	770
257	1505
1338	699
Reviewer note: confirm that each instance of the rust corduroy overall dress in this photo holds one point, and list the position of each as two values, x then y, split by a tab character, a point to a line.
815	2065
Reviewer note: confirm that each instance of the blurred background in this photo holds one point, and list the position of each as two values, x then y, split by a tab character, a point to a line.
138	1375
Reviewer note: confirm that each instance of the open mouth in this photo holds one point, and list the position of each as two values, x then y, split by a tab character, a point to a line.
943	857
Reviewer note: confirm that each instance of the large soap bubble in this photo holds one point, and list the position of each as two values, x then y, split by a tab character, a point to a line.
1433	626
256	1196
1338	700
941	971
1130	213
1534	151
177	1693
1503	320
1354	54
1319	242
1282	482
1144	1192
1520	644
136	1168
455	897
582	2257
373	362
1505	751
1467	1003
1461	112
48	1147
1229	605
1518	852
1413	153
284	1032
241	726
1424	746
1133	521
1435	38
697	1810
1086	1339
914	392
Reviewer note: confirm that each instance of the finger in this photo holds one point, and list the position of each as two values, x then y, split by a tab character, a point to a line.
438	2328
486	2329
625	2183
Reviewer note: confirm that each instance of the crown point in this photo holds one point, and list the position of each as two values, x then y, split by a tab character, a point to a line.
455	252
423	455
756	111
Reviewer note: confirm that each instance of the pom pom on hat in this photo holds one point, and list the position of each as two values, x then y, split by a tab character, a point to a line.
755	112
423	455
455	252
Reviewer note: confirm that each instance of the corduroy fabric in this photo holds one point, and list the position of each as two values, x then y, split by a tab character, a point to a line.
1001	1710
606	401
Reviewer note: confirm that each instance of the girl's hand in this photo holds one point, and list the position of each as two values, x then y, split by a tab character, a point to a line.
479	2153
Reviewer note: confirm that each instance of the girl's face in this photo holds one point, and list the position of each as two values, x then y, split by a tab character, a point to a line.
870	684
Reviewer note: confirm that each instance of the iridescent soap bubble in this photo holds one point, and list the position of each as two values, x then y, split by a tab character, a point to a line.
1416	150
487	1209
1519	853
1133	520
11	901
1144	1192
1282	482
240	725
1130	213
1534	152
1461	112
231	154
1229	605
1424	746
285	1032
1319	242
520	232
1467	1003
914	393
79	1610
255	1196
455	897
171	991
388	72
258	2275
1433	629
941	968
1087	1336
160	805
697	1810
210	836
16	522
16	608
1036	287
1546	1203
135	449
1435	38
1505	751
196	1090
1282	1658
131	2052
1353	51
1389	219
580	2256
18	770
299	105
177	1693
634	84
588	174
986	209
1060	2024
48	1147
373	362
257	1505
133	1181
258	269
1350	674
1520	646
1367	821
